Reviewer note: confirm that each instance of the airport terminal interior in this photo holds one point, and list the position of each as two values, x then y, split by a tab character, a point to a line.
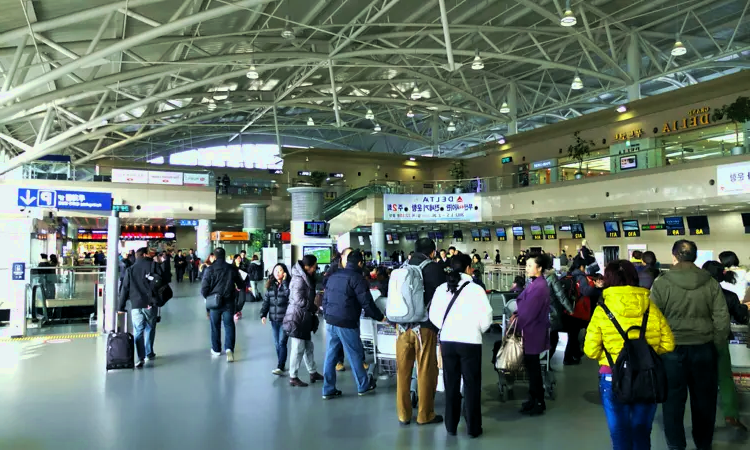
585	130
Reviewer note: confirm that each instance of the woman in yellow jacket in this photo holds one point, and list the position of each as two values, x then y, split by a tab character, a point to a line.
629	424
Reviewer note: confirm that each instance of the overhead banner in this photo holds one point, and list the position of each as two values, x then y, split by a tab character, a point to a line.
431	208
170	178
195	179
733	179
129	176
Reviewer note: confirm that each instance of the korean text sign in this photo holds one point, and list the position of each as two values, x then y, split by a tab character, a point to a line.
733	179
432	208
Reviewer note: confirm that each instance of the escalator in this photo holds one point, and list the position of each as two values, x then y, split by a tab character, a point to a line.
349	199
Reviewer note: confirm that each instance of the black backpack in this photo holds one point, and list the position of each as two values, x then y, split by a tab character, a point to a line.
160	289
638	375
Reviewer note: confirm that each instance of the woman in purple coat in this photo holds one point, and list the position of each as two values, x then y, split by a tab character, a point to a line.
533	320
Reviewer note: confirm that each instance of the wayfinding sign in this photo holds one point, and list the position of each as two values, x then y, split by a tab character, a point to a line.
74	200
432	208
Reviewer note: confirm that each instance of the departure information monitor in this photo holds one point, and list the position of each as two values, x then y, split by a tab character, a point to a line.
630	228
577	231
612	228
675	226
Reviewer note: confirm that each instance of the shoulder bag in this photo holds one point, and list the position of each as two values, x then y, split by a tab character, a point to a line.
447	310
510	356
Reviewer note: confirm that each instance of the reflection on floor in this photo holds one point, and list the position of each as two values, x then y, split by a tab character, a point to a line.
57	396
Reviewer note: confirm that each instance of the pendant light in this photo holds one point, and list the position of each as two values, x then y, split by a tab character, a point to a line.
288	32
451	127
410	113
310	122
415	94
369	115
568	19
377	127
505	109
211	105
477	64
577	83
252	72
678	49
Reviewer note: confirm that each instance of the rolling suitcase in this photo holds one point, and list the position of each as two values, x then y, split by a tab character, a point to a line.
120	346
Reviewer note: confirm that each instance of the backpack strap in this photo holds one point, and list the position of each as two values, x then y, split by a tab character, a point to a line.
644	324
423	264
619	330
453	300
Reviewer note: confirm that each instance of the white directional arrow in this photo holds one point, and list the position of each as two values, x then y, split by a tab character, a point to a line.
28	199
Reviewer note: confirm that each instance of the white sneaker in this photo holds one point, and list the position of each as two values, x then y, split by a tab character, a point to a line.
139	364
230	356
213	353
277	372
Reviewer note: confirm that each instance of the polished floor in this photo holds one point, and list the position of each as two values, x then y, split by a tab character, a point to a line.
58	396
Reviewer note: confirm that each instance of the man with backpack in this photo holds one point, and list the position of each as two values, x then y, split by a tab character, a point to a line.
410	293
254	275
694	305
584	292
138	287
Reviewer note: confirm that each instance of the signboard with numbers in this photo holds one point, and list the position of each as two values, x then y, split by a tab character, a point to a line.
431	208
733	179
85	201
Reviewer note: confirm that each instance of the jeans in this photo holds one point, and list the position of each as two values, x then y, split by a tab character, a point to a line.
694	369
144	322
280	339
462	360
418	346
302	349
629	425
226	315
348	338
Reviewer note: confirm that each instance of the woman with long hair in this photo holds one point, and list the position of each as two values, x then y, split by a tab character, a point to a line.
629	424
532	319
737	283
301	320
274	308
462	312
476	263
739	313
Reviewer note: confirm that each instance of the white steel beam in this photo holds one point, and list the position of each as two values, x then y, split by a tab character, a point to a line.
446	35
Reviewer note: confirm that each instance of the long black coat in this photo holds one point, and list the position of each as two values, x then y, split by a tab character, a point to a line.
300	319
276	301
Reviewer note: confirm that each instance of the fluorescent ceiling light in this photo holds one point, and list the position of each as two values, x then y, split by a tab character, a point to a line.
252	73
505	109
577	83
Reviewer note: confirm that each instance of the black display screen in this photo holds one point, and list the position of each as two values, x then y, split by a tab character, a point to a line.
458	235
675	226
698	225
486	234
316	229
475	235
612	228
577	231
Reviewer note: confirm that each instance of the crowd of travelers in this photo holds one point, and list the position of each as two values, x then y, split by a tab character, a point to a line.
682	315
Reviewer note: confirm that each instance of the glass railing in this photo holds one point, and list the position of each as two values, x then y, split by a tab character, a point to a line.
599	164
351	198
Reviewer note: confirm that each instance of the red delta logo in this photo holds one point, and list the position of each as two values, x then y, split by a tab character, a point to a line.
459	200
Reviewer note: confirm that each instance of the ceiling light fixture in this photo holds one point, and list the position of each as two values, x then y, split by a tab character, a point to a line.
211	105
411	158
678	49
288	32
577	83
415	94
568	19
501	141
451	127
369	115
477	64
621	109
310	122
377	127
252	73
410	113
220	95
505	109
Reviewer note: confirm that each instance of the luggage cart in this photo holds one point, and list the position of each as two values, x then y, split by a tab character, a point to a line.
367	333
739	351
507	379
499	302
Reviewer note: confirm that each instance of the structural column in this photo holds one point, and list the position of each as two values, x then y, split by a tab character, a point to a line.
378	240
307	204
254	223
203	239
107	319
513	105
634	68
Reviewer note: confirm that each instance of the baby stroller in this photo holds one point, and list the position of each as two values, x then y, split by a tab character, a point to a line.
507	379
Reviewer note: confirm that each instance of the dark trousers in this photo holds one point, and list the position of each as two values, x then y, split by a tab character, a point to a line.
217	316
573	327
534	372
554	339
180	273
192	274
462	361
694	369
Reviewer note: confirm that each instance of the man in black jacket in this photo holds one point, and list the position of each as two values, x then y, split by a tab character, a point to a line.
137	286
346	295
223	279
190	267
418	342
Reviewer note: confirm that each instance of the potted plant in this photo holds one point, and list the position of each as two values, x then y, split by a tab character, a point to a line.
457	171
578	151
738	112
317	178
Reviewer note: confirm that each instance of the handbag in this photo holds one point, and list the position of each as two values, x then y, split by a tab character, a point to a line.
447	310
510	356
213	301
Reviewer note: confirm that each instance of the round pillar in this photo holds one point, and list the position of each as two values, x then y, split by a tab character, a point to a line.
203	239
378	240
254	216
307	203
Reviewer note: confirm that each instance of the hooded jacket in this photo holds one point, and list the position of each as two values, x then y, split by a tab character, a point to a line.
559	303
276	301
136	287
628	304
693	303
346	295
299	320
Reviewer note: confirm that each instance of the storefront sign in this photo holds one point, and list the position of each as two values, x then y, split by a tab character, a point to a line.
195	179
696	118
733	179
631	134
168	178
230	236
129	176
91	235
431	208
546	164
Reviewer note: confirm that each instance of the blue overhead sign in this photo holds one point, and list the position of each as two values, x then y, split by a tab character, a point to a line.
19	271
188	223
78	200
